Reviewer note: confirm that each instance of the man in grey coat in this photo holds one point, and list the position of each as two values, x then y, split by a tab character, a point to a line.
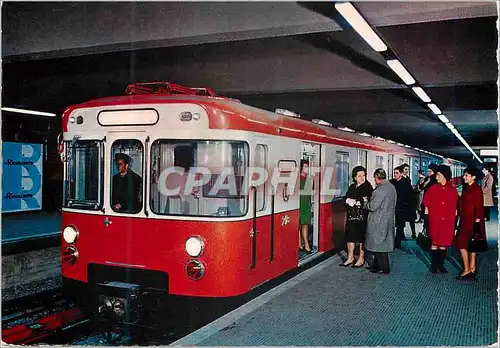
380	227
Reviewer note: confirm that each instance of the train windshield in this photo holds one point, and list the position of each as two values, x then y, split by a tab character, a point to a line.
199	178
83	175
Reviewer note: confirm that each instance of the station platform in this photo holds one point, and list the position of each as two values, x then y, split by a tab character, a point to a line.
21	226
328	305
30	253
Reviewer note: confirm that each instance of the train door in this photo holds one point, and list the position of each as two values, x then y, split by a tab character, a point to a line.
125	187
310	200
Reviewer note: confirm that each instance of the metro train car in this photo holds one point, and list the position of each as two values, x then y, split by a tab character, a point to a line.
123	250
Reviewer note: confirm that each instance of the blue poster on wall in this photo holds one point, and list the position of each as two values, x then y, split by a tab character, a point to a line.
21	177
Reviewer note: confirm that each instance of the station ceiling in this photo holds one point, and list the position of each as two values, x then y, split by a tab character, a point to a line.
296	56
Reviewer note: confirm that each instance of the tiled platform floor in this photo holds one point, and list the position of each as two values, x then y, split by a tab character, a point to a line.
335	306
21	226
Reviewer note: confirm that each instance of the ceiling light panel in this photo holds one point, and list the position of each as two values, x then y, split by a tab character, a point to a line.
399	69
421	94
351	15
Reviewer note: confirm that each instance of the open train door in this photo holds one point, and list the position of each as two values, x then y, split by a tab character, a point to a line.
312	154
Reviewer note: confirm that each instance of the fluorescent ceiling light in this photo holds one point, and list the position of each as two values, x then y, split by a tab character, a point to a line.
454	131
364	134
29	112
351	15
379	138
450	126
321	122
345	129
434	108
399	69
400	144
421	93
408	146
443	118
391	142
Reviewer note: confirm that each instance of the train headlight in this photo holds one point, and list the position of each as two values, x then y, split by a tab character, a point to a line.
70	254
194	246
195	269
70	234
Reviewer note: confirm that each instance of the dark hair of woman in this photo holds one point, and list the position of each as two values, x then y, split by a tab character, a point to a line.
356	170
472	172
445	170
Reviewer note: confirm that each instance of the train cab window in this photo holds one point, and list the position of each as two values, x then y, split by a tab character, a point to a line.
83	175
126	180
198	178
261	162
342	177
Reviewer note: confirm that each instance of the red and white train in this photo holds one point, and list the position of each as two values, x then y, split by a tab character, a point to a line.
202	244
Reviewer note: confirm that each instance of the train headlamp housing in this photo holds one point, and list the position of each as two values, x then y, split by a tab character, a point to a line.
195	246
70	234
195	269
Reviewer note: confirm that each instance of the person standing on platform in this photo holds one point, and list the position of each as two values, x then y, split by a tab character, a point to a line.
405	170
428	182
440	203
471	222
487	186
380	226
305	206
419	189
355	228
403	206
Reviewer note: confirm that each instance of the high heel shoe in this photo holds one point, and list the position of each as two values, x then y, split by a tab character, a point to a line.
469	275
347	264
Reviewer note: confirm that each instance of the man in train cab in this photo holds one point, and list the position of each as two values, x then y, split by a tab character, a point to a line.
380	226
404	205
127	186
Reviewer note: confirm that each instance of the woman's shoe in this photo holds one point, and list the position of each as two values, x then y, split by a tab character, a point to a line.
347	264
355	265
464	276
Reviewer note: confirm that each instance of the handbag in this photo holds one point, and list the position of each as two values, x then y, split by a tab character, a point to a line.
477	243
424	241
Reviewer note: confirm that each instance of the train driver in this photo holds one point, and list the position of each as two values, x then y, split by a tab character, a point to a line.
127	186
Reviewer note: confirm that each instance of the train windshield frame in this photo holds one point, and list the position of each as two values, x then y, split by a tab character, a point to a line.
84	175
225	162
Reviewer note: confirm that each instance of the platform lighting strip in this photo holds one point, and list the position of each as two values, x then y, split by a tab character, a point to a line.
358	23
28	112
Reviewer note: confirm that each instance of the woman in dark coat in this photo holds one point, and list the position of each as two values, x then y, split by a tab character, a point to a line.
471	219
355	229
440	203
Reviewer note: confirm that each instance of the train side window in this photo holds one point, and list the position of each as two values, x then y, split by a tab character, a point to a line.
342	178
126	171
261	162
208	180
362	156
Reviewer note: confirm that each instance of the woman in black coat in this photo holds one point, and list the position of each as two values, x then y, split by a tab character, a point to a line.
355	229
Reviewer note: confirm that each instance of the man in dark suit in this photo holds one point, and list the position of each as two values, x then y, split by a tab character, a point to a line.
403	206
127	187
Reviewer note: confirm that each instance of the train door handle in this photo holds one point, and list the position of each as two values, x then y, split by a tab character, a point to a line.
107	222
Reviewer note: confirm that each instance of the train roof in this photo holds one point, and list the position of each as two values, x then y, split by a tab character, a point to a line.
231	114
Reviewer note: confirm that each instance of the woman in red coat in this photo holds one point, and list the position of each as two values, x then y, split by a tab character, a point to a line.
440	203
471	213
